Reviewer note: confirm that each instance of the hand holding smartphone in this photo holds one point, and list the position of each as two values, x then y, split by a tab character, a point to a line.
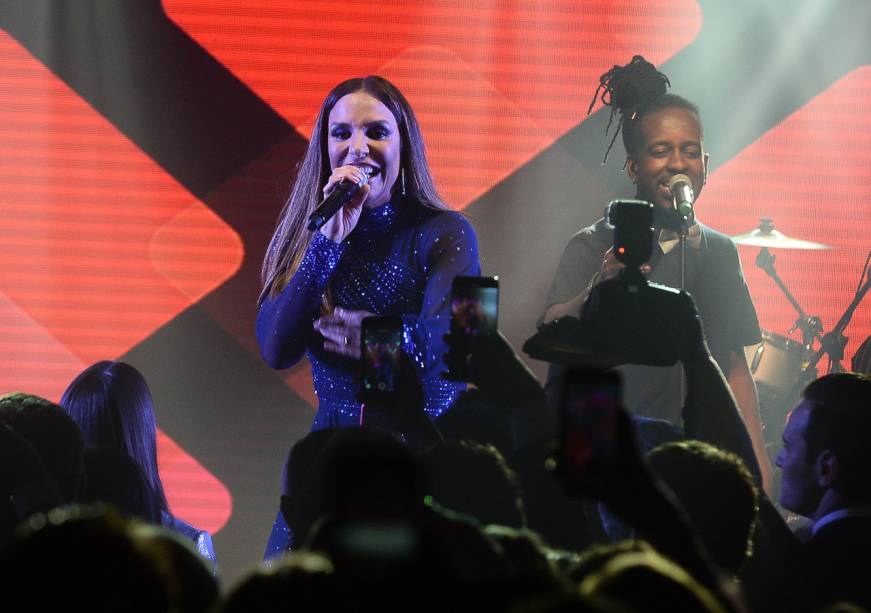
474	312
588	421
380	355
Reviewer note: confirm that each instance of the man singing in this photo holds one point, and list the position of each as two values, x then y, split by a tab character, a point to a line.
663	137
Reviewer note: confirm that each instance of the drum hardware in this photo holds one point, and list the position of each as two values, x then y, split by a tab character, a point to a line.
831	343
778	364
766	236
786	357
811	326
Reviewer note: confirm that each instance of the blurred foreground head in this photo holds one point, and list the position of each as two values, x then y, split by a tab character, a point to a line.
87	558
55	437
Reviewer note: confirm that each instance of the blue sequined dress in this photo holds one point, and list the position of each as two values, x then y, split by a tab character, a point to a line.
399	260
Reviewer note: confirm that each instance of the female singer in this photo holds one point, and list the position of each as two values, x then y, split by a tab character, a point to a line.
393	249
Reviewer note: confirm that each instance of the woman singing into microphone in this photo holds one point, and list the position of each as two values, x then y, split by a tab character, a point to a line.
394	249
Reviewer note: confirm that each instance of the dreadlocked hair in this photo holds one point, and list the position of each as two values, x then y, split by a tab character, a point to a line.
632	91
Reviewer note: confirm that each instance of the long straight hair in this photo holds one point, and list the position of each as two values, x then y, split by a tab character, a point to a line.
291	239
112	404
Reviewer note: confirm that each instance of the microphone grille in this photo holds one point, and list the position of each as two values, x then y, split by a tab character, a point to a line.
681	178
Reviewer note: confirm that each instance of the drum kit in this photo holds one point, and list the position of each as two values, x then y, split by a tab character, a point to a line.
781	366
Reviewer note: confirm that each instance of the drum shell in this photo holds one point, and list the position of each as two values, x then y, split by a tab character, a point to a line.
776	363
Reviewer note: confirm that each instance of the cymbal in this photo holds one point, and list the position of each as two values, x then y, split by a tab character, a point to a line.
775	240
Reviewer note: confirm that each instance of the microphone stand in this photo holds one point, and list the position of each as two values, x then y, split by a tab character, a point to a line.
682	246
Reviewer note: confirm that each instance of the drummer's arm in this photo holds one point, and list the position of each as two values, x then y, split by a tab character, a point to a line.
744	389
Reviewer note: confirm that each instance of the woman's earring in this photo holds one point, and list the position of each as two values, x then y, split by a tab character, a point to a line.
402	178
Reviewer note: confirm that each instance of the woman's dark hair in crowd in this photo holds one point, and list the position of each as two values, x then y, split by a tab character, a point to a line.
114	478
632	91
291	238
112	404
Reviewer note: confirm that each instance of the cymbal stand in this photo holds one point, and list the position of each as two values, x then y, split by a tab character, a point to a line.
810	326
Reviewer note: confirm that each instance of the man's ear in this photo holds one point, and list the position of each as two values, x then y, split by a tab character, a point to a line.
632	167
827	468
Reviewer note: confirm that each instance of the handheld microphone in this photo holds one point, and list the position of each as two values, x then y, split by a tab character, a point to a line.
681	188
338	198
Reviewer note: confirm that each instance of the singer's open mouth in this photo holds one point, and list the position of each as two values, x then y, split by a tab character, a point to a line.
371	171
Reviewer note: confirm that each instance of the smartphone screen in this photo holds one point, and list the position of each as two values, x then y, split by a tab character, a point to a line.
588	417
380	347
474	311
474	306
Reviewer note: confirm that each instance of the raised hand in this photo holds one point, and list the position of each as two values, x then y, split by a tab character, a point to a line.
340	225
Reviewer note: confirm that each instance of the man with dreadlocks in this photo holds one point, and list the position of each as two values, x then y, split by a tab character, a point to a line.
663	137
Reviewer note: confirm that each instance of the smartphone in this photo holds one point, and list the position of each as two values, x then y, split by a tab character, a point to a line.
380	349
589	410
474	311
474	306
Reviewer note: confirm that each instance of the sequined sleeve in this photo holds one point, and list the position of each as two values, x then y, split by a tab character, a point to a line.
284	322
451	249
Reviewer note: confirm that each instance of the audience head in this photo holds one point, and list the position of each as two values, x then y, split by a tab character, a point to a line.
112	404
716	490
53	435
365	507
861	361
80	558
475	480
392	563
362	474
646	581
186	575
533	571
370	474
826	459
298	470
302	580
594	558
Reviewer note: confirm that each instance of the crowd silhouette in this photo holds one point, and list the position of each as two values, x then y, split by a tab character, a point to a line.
477	509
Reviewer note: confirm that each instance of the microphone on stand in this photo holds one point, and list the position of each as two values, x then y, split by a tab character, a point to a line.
681	188
338	198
